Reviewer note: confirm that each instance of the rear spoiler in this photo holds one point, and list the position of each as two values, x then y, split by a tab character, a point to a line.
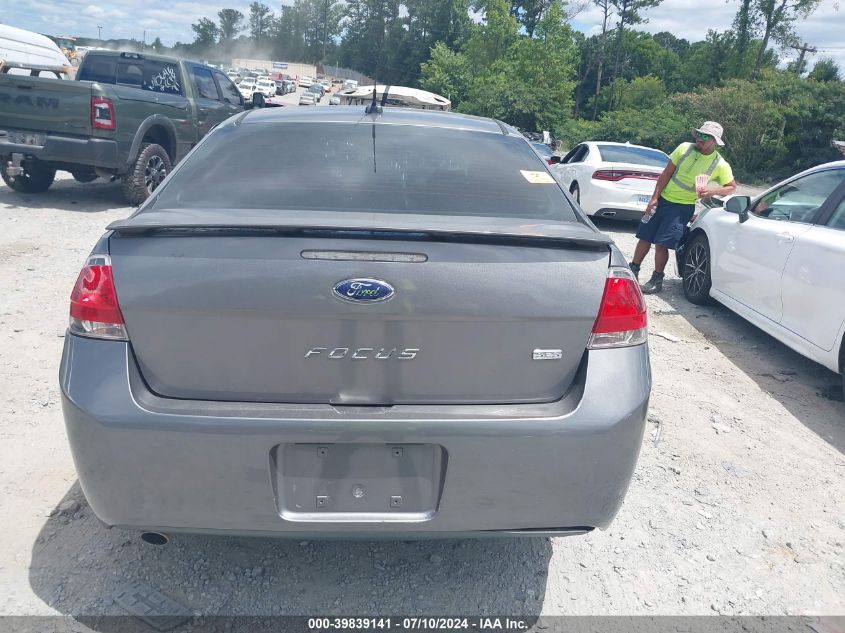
366	225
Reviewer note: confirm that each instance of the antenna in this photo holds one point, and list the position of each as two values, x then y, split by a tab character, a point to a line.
374	108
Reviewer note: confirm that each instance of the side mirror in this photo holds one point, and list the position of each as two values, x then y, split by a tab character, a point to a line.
739	205
554	160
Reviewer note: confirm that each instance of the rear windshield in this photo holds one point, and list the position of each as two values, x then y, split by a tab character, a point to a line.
366	168
636	155
147	74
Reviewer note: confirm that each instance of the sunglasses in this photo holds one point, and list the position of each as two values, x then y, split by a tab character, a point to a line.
703	137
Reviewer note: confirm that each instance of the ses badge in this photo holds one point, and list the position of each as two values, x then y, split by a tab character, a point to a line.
363	290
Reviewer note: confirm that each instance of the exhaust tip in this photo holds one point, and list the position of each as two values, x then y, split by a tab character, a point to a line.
155	538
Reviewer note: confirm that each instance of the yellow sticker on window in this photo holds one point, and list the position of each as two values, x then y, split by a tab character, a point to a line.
537	177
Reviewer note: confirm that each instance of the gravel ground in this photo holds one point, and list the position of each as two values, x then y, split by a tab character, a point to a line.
735	507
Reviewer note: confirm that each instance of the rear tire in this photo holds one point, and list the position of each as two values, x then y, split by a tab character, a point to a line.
150	168
575	190
37	178
696	271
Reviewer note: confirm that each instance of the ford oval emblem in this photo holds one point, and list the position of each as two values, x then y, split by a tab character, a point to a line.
363	290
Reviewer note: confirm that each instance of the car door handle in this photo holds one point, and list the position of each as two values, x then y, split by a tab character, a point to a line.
785	238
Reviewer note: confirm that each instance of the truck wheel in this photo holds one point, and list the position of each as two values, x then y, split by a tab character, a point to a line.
35	178
150	168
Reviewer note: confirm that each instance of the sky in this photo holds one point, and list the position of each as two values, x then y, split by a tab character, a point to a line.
171	20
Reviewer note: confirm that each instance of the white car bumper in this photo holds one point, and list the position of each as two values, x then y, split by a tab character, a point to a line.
623	200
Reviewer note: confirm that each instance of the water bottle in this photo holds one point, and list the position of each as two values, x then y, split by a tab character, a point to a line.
646	218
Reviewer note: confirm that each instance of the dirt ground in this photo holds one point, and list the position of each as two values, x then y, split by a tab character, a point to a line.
735	506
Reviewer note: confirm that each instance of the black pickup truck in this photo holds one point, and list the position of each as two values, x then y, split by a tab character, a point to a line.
126	115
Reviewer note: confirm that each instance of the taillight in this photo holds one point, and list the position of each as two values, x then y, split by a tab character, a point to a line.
622	319
94	310
618	174
102	114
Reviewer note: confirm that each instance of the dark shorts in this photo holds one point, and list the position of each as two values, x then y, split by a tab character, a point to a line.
666	226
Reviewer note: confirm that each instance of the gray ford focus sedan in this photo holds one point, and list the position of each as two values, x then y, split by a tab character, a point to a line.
332	323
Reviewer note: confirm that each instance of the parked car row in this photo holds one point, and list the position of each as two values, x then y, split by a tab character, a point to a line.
315	92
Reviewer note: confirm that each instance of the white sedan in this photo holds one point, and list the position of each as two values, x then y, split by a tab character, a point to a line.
247	87
308	98
777	261
611	180
267	87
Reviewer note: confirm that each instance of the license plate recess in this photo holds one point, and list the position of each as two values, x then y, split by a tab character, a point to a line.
358	482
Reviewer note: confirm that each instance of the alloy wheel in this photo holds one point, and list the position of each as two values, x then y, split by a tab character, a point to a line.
696	265
154	173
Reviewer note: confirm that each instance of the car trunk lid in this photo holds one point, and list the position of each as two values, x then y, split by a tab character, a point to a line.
483	310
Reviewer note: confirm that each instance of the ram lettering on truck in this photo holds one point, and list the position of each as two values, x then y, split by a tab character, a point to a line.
38	102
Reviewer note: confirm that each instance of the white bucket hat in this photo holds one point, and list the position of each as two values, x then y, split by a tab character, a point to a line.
713	129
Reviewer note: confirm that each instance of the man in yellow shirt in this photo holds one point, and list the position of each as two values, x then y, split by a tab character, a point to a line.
673	203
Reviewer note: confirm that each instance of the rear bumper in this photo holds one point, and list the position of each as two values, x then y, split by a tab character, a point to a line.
606	198
96	152
146	462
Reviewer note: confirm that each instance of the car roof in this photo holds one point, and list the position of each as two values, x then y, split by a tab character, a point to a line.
389	116
150	56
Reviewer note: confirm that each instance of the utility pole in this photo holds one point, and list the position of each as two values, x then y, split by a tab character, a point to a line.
100	33
799	67
144	42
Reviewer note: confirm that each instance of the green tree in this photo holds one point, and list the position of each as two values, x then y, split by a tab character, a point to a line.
628	12
607	12
206	32
776	20
525	81
529	13
708	62
447	73
491	42
260	20
641	93
754	124
157	45
744	30
813	115
825	70
231	23
663	127
667	40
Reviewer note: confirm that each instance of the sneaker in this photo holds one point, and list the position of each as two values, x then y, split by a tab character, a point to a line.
653	285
